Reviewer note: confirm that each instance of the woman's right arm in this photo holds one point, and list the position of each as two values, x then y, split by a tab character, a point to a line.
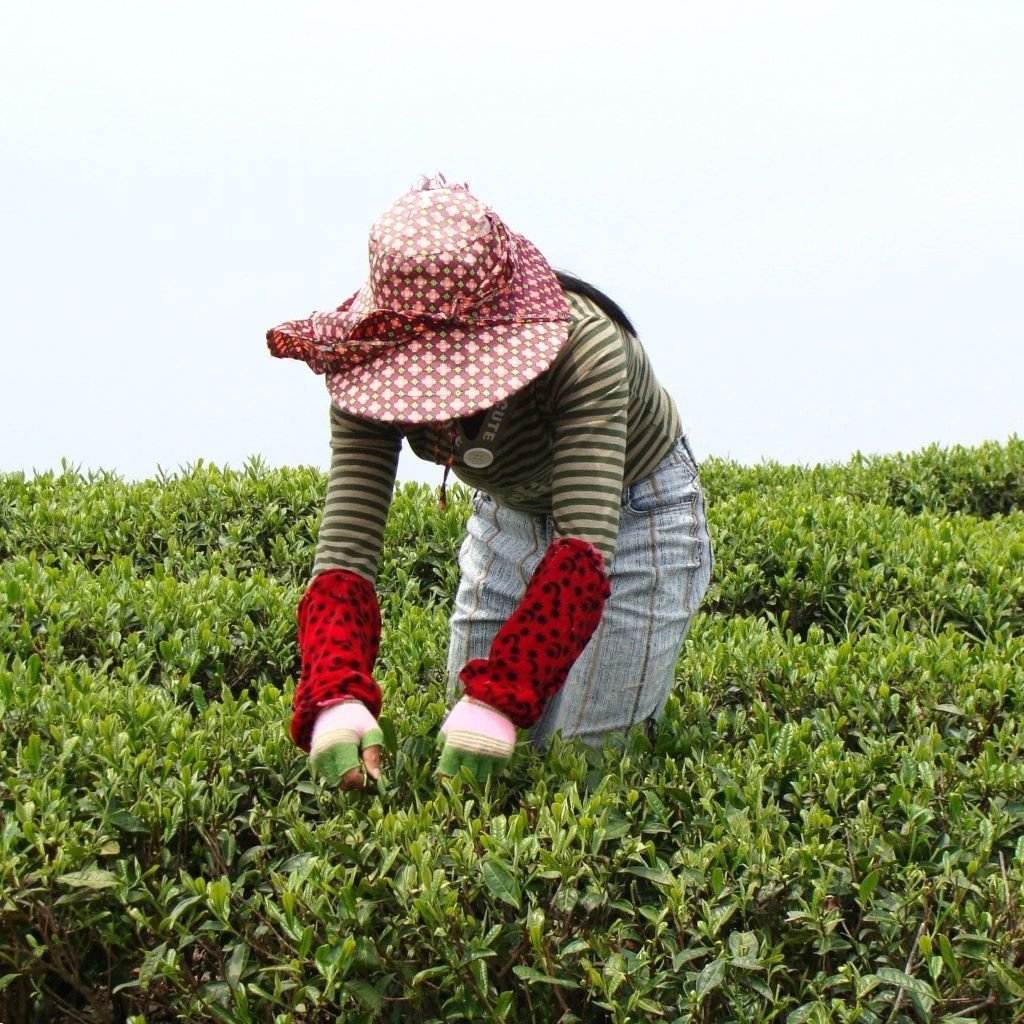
339	615
361	482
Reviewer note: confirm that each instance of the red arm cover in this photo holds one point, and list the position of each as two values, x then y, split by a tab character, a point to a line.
339	633
533	651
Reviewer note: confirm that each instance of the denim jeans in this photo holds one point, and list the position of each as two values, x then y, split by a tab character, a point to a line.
660	572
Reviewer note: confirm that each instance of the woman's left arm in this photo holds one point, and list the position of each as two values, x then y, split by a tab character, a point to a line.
590	401
532	653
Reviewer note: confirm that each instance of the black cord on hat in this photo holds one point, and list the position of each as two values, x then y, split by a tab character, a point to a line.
442	499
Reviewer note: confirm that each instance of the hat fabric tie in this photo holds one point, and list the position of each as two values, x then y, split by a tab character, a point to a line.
442	498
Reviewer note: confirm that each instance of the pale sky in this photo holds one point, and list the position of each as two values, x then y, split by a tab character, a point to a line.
813	212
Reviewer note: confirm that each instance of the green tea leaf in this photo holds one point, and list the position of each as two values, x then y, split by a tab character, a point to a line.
236	965
530	974
500	880
366	994
128	822
710	977
89	878
868	885
660	876
903	980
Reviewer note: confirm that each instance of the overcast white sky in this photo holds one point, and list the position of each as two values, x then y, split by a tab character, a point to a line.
813	212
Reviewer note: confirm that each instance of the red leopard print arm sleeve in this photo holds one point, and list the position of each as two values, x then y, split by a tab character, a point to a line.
339	634
533	651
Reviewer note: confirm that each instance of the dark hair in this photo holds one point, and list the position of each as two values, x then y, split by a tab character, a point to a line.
612	309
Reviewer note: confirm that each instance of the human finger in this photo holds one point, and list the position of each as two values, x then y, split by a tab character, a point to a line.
371	759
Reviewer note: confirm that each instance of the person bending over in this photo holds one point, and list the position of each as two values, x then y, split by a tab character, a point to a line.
587	551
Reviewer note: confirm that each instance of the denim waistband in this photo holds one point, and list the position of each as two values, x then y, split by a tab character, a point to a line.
682	452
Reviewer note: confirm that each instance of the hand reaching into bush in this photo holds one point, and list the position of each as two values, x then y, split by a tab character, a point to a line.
337	700
340	733
477	736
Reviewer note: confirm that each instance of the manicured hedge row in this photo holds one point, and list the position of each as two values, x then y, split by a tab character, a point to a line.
268	517
232	522
840	563
983	480
827	826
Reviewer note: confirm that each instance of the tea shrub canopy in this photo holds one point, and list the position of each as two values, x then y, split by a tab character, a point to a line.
827	826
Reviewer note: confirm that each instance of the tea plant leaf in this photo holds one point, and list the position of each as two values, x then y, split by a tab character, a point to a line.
907	981
236	965
868	885
710	977
1010	977
89	878
500	881
128	822
743	947
659	876
802	1014
387	727
429	972
366	994
531	974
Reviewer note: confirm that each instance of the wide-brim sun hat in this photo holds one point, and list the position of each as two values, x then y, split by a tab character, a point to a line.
458	313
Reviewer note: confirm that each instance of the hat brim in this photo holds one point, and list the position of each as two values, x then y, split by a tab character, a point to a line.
445	373
436	370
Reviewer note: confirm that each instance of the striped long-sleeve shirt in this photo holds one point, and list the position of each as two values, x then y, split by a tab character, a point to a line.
565	445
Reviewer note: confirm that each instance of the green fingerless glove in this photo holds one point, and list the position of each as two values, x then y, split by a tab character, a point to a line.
340	733
475	736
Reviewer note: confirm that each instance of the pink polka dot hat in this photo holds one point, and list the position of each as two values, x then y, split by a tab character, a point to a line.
458	313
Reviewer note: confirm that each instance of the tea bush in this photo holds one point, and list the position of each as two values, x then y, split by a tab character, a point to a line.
985	480
828	824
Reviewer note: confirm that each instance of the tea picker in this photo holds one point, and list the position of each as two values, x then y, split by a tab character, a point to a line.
587	551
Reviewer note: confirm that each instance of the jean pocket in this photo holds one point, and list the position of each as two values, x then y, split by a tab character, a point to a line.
670	488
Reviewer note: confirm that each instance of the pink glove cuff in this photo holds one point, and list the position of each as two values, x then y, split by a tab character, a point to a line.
473	725
347	721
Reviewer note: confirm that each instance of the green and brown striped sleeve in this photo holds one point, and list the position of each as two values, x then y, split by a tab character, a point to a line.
360	486
590	403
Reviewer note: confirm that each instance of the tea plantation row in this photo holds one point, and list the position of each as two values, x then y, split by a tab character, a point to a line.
828	825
